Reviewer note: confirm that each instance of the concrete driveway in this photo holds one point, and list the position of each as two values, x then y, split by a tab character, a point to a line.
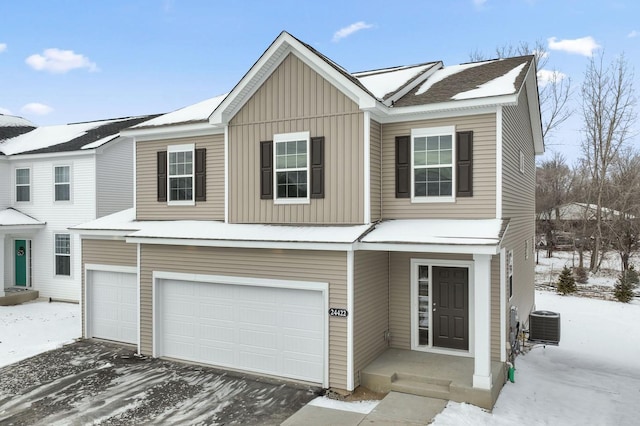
97	383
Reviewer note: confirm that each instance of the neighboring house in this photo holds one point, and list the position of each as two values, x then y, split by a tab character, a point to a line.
54	177
313	220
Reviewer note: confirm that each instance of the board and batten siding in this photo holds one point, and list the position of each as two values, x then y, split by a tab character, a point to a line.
371	308
481	205
295	98
299	265
105	252
147	205
114	177
400	297
518	203
375	158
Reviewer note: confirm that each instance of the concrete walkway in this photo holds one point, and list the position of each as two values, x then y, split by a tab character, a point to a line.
395	408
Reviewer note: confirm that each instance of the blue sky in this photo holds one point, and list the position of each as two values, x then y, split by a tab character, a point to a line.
69	61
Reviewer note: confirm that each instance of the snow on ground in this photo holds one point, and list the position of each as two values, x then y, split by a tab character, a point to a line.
363	407
34	327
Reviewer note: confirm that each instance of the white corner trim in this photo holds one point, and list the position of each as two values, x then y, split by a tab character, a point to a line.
226	174
499	147
503	306
350	304
138	296
135	175
367	167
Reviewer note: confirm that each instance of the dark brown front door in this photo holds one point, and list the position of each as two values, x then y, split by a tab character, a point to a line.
451	307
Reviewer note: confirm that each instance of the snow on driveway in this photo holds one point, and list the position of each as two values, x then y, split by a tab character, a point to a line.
35	327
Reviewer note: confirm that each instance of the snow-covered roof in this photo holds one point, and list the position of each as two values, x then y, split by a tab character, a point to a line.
124	220
14	121
199	112
67	137
437	231
14	218
388	81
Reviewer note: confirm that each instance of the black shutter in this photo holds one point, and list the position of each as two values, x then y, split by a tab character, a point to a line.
162	175
266	170
317	167
464	169
201	174
403	166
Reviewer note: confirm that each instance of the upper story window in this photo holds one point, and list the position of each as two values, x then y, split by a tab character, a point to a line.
433	153
180	165
23	185
62	183
63	254
291	159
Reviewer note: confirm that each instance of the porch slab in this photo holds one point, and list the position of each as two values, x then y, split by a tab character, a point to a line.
16	296
321	416
445	377
399	408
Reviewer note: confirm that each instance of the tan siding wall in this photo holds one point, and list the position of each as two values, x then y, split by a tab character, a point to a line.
483	202
518	203
295	99
275	264
106	252
371	306
147	206
375	150
495	308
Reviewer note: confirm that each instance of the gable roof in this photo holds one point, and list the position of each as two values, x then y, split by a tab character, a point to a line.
13	218
12	126
68	137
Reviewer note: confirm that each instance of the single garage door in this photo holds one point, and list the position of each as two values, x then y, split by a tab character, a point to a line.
112	306
275	331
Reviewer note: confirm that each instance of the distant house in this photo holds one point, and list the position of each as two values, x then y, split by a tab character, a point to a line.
314	222
54	177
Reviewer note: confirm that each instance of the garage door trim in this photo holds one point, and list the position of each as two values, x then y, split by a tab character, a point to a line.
323	287
91	267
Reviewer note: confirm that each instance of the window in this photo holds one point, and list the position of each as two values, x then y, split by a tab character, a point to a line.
62	183
180	165
510	272
432	164
23	185
63	254
291	159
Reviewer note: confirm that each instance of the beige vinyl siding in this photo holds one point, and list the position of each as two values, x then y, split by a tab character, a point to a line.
481	205
147	205
371	308
315	266
400	297
105	252
375	155
518	203
295	99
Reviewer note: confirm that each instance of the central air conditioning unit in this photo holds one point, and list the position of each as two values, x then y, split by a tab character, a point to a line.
544	327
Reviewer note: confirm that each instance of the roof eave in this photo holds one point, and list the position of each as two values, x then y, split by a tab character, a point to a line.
531	86
172	131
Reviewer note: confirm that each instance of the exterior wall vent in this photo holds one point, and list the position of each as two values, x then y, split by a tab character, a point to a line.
544	327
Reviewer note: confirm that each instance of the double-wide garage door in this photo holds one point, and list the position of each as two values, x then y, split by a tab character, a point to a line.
112	306
270	330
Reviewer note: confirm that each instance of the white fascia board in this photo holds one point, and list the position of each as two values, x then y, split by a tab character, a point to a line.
47	155
13	228
282	245
269	61
430	248
172	131
531	84
88	234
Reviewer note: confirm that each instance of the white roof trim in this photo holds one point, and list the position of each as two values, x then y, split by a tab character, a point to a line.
243	244
531	86
172	131
284	44
430	248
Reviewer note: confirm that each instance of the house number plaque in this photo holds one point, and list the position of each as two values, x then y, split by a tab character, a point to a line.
336	312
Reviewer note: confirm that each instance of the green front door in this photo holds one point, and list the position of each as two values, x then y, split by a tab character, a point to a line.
20	254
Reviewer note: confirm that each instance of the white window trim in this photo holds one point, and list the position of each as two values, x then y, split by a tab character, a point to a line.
288	137
435	131
55	184
182	148
414	306
15	186
56	254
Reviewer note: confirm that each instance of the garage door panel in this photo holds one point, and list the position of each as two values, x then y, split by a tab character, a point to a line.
277	331
112	306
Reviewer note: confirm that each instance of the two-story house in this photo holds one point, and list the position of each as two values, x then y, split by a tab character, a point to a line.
54	177
314	223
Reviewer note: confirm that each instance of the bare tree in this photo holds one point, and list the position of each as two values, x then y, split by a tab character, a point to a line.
608	103
554	92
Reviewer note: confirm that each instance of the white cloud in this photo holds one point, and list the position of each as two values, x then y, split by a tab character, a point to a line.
479	3
3	47
36	108
633	34
5	111
580	46
353	28
59	61
548	76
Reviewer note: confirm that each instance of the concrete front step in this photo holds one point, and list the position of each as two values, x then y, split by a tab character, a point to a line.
422	386
17	296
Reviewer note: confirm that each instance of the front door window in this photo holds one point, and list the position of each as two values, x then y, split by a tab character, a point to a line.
423	305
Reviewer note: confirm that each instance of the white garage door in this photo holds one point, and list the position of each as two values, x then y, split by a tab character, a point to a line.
276	331
111	306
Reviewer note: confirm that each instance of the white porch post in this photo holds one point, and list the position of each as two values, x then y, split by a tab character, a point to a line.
482	319
2	283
